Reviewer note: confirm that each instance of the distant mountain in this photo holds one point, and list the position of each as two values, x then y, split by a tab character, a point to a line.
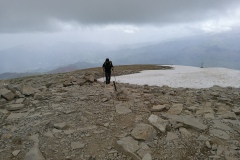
219	50
73	67
9	75
44	58
68	68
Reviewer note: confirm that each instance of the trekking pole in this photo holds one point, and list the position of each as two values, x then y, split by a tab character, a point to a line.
114	81
103	78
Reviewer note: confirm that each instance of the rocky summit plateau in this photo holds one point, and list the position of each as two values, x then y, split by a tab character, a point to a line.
73	116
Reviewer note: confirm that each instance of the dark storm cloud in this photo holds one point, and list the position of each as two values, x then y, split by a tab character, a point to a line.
40	15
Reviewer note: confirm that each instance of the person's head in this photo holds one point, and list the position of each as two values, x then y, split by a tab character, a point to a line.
107	60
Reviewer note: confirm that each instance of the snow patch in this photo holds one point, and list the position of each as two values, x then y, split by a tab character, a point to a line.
184	76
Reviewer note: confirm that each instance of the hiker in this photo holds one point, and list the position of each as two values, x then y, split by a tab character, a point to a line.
107	67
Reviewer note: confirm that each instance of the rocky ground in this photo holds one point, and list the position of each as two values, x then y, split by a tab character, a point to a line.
73	116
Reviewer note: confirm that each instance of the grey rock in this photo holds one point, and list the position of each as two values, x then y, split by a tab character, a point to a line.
208	144
223	108
233	122
38	96
144	149
56	131
17	115
158	108
171	136
48	134
175	109
220	150
70	131
4	111
7	94
20	100
209	116
192	108
204	110
81	81
120	109
228	115
188	121
28	90
219	125
143	132
202	138
16	152
15	107
158	122
34	153
61	126
129	144
219	133
184	132
77	145
147	157
236	111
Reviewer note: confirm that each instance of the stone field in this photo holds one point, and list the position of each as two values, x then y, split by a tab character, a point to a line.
72	116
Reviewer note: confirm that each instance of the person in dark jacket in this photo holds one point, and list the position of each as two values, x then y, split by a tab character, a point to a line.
107	67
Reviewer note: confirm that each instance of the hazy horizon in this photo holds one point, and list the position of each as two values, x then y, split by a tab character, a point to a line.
49	29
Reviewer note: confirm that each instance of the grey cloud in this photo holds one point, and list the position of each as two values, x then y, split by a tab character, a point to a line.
39	15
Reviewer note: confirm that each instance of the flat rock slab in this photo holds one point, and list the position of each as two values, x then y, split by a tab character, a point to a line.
77	145
15	107
48	134
60	125
17	115
228	115
158	122
120	109
16	152
189	121
219	125
129	144
175	109
158	108
171	136
4	111
28	90
144	149
144	132
234	122
34	153
20	100
219	133
147	157
204	110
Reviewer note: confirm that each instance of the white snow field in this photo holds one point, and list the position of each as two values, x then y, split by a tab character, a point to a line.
184	76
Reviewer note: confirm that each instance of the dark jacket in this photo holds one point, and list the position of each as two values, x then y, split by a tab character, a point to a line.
107	65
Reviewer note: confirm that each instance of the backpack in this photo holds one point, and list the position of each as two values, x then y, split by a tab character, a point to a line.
108	65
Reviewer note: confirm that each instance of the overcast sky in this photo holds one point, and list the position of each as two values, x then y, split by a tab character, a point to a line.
112	21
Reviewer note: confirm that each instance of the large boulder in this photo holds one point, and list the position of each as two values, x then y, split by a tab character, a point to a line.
7	94
28	90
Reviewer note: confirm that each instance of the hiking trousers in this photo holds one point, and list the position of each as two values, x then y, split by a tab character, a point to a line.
108	77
